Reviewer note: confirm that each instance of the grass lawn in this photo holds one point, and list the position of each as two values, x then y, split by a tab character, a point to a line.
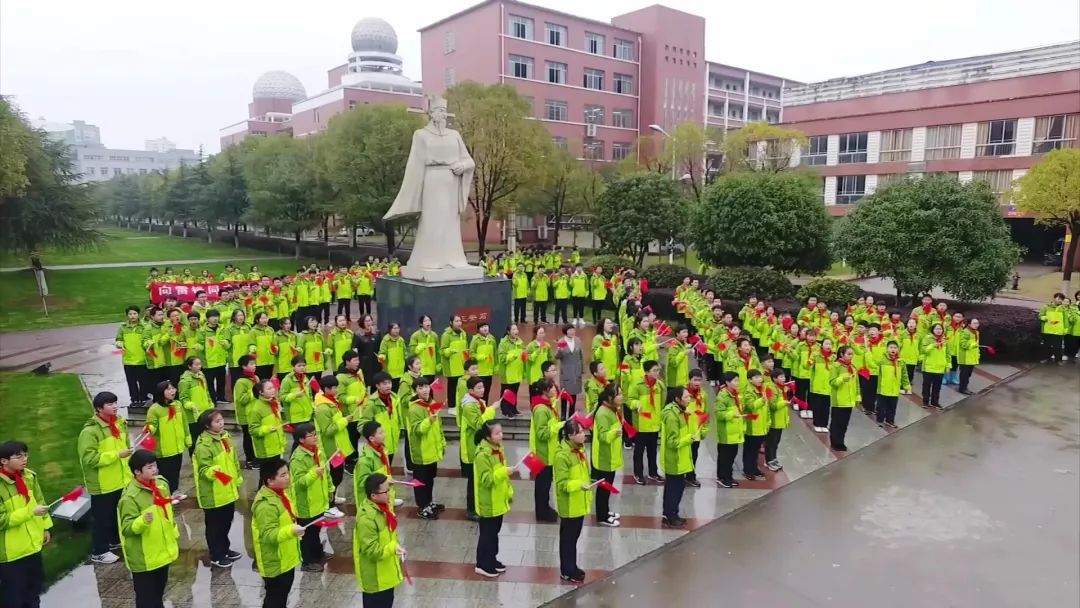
59	406
81	297
1041	287
122	245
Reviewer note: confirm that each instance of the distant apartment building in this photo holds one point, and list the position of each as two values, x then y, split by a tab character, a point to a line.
97	163
983	118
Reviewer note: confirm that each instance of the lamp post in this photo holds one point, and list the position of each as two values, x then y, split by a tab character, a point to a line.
661	130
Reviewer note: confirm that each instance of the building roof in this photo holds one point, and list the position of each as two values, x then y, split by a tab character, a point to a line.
735	67
527	5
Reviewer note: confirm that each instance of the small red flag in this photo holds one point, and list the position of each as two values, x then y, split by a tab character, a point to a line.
586	422
776	345
702	417
606	344
565	395
524	357
295	351
751	416
273	349
769	393
382	360
623	367
864	373
72	495
178	329
431	350
562	344
328	523
248	301
990	350
316	356
434	407
606	485
276	382
694	339
607	284
186	308
534	464
288	428
509	396
264	299
412	483
644	284
646	415
701	348
224	478
464	355
437	385
629	429
337	460
149	443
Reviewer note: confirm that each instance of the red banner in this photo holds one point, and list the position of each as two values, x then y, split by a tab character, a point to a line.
185	292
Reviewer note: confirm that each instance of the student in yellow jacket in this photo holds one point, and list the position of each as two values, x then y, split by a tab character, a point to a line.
573	496
538	352
910	342
275	533
165	423
453	346
730	428
332	425
493	495
935	362
892	382
262	342
676	460
968	353
1053	318
265	423
129	339
544	425
340	341
646	399
512	367
377	550
373	459
24	528
216	467
296	393
778	392
483	349
755	404
392	354
427	444
193	393
383	407
308	470
471	415
845	394
103	455
148	532
699	410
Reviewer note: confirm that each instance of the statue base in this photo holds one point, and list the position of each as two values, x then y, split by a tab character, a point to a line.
402	300
442	275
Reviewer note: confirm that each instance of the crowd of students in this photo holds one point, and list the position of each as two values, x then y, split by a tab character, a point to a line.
645	390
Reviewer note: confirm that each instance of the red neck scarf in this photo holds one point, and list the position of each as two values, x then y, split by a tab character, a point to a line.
285	502
602	380
651	383
388	401
226	444
335	402
956	325
314	454
497	451
172	410
580	453
876	341
695	394
735	395
927	308
849	366
894	360
159	499
826	355
746	360
381	451
111	421
540	400
301	380
391	519
251	376
20	483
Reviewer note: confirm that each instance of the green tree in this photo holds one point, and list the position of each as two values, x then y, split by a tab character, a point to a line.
504	144
931	232
16	139
682	155
638	209
763	219
203	197
280	174
179	199
760	146
365	151
563	187
230	195
1050	191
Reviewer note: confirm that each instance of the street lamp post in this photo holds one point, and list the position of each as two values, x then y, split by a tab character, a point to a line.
661	130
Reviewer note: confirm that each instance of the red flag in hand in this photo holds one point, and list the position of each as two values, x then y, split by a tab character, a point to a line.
534	464
606	344
607	284
562	344
273	349
990	350
434	407
565	395
864	373
276	382
382	360
464	355
437	385
751	416
701	348
509	396
72	495
702	417
644	284
694	339
776	345
624	367
328	523
606	485
586	422
314	385
149	443
337	460
646	415
768	393
524	357
294	351
185	307
224	478
288	428
414	483
629	429
316	356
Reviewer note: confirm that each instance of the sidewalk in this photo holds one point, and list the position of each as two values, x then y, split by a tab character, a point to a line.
141	264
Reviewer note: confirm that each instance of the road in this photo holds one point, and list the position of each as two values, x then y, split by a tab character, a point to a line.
979	506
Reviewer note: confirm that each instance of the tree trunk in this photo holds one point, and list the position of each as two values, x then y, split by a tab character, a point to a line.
170	228
1069	260
185	230
236	236
388	232
296	242
326	230
354	231
209	234
481	234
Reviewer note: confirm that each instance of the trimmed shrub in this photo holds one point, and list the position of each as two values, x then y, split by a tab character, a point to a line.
831	291
666	275
610	263
741	282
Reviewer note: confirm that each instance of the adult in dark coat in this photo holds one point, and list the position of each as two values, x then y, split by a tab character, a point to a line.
568	353
366	343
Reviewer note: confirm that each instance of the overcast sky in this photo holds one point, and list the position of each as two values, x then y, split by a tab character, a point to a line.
141	70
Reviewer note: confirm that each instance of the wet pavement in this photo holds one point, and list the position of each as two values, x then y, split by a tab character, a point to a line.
979	506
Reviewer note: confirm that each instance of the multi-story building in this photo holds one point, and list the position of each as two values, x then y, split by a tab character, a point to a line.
270	110
97	163
979	118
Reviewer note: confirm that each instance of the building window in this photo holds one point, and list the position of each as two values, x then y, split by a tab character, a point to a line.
449	79
142	171
593	79
624	83
93	157
120	158
890	178
594	115
103	170
559	142
116	171
555	110
996	138
593	149
624	49
594	43
521	67
1054	132
556	34
623	119
850	188
89	170
895	145
816	152
735	111
852	148
521	27
1000	182
556	72
620	151
449	42
943	142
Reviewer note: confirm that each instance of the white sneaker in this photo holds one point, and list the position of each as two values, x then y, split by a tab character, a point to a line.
338	500
398	502
105	558
334	513
821	429
610	522
1064	357
617	515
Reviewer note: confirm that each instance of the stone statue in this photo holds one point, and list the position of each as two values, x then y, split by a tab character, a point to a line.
438	176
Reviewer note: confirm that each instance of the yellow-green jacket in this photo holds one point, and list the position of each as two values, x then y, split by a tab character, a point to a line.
264	424
491	480
130	338
277	549
647	404
571	477
511	367
387	417
193	395
312	491
607	449
544	425
332	426
967	352
471	415
296	396
170	431
730	428
427	444
216	453
425	344
21	532
452	345
393	352
935	355
845	385
103	469
482	350
375	546
147	546
675	440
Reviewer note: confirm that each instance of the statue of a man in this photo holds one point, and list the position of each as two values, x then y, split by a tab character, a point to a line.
438	176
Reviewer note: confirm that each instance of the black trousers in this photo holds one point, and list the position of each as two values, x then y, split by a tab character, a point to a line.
344	307
519	310
218	522
911	373
603	497
215	382
277	589
772	443
539	312
931	388
802	388
324	310
569	532
20	582
838	429
645	443
470	491
487	544
542	493
194	430
868	389
628	414
560	310
965	376
169	468
1072	345
106	530
725	459
579	307
150	587
363	305
886	409
451	390
336	475
674	485
507	409
425	473
382	599
264	371
487	387
750	450
820	406
597	310
695	447
1053	346
136	384
310	545
567	407
173	373
249	449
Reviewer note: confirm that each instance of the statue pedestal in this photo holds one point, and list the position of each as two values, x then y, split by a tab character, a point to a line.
443	275
402	300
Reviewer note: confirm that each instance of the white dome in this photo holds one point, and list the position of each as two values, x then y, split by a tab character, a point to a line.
374	34
278	85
